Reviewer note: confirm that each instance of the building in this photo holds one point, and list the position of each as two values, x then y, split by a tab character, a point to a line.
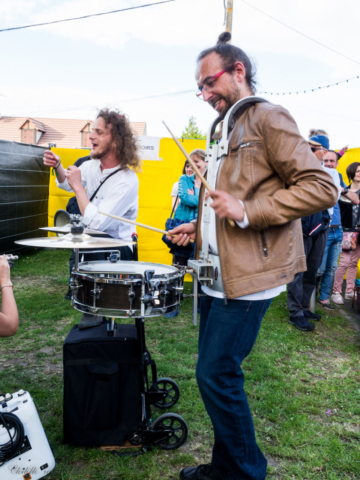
59	132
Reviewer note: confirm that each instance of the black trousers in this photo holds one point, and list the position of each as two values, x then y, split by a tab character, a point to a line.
301	288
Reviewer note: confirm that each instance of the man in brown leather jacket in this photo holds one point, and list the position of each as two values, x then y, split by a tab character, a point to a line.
267	182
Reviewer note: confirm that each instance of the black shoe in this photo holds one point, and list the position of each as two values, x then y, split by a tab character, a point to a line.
312	316
302	324
202	472
326	304
68	295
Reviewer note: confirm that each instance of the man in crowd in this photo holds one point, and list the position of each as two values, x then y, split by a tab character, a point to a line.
269	179
332	252
315	229
113	152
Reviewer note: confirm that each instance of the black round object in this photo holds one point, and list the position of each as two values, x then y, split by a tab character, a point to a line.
135	438
77	229
172	390
178	430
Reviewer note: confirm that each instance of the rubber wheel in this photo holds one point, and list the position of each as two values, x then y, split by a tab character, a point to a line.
172	391
178	428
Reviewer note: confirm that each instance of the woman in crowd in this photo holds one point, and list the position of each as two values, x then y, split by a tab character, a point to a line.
187	170
350	219
189	189
9	317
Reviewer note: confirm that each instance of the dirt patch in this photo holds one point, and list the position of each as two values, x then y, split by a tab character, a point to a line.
51	365
201	452
46	282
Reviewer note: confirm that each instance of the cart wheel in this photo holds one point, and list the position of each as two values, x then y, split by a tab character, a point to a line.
178	430
135	438
172	391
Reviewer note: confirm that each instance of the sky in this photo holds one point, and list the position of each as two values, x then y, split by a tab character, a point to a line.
72	69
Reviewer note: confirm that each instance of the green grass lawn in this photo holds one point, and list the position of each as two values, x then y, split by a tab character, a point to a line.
293	380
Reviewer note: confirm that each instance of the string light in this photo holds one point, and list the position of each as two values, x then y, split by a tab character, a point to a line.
312	89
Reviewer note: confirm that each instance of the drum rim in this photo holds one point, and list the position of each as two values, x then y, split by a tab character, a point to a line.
170	267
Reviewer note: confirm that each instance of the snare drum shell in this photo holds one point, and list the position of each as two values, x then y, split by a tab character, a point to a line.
102	385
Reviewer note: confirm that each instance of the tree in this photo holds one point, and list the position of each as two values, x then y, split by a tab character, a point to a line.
192	130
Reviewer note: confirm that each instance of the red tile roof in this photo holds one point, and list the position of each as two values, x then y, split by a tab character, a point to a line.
65	133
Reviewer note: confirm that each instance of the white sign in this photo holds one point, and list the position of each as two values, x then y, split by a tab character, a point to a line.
149	147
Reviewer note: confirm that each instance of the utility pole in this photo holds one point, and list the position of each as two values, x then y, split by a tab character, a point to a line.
229	15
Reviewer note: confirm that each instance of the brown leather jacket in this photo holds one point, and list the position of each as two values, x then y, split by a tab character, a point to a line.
271	168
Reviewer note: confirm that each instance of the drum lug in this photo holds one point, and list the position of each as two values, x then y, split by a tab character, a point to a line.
164	293
96	292
179	289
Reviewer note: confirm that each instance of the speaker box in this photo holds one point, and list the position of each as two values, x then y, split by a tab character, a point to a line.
103	382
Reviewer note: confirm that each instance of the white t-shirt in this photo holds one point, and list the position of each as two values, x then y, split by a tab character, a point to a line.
175	189
118	196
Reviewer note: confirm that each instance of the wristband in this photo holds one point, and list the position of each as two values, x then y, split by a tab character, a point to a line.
6	286
58	165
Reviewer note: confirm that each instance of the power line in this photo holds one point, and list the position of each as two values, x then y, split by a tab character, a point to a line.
182	92
313	89
300	33
85	16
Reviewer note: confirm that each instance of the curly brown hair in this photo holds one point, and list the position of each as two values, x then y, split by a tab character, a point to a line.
124	138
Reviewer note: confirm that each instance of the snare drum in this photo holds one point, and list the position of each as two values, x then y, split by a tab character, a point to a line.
126	289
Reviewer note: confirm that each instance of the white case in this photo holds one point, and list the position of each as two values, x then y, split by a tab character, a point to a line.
38	460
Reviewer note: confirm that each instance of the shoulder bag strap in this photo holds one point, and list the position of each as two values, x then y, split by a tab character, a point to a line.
173	209
102	183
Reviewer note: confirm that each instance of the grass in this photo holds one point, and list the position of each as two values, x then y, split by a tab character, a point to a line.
293	380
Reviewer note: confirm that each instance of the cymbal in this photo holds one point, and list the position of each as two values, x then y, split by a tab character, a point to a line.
82	241
67	229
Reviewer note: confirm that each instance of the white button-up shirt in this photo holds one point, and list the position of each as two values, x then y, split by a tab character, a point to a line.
118	196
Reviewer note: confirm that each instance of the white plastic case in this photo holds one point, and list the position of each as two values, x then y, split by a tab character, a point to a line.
35	458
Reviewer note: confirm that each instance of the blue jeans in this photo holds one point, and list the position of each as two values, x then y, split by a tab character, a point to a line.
330	260
226	336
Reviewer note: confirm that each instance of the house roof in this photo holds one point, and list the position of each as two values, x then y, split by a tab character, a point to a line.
65	133
38	125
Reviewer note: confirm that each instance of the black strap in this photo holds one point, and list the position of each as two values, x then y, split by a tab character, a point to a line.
102	183
173	209
98	361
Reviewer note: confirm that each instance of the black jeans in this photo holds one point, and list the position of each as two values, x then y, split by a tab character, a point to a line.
301	288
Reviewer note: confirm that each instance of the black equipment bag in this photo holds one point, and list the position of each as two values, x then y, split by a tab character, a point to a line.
102	385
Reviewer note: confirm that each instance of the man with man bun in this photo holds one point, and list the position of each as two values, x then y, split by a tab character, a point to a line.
267	182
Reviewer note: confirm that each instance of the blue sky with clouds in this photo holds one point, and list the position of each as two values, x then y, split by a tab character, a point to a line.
71	69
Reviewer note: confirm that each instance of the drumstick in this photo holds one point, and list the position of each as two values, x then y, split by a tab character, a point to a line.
194	167
164	232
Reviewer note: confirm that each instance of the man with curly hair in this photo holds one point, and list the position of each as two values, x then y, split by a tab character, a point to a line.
114	154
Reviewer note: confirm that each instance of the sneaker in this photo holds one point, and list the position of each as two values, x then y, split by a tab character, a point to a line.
337	298
349	296
302	324
326	304
202	472
68	295
312	316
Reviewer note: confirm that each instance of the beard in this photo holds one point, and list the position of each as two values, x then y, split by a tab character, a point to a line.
229	99
101	152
